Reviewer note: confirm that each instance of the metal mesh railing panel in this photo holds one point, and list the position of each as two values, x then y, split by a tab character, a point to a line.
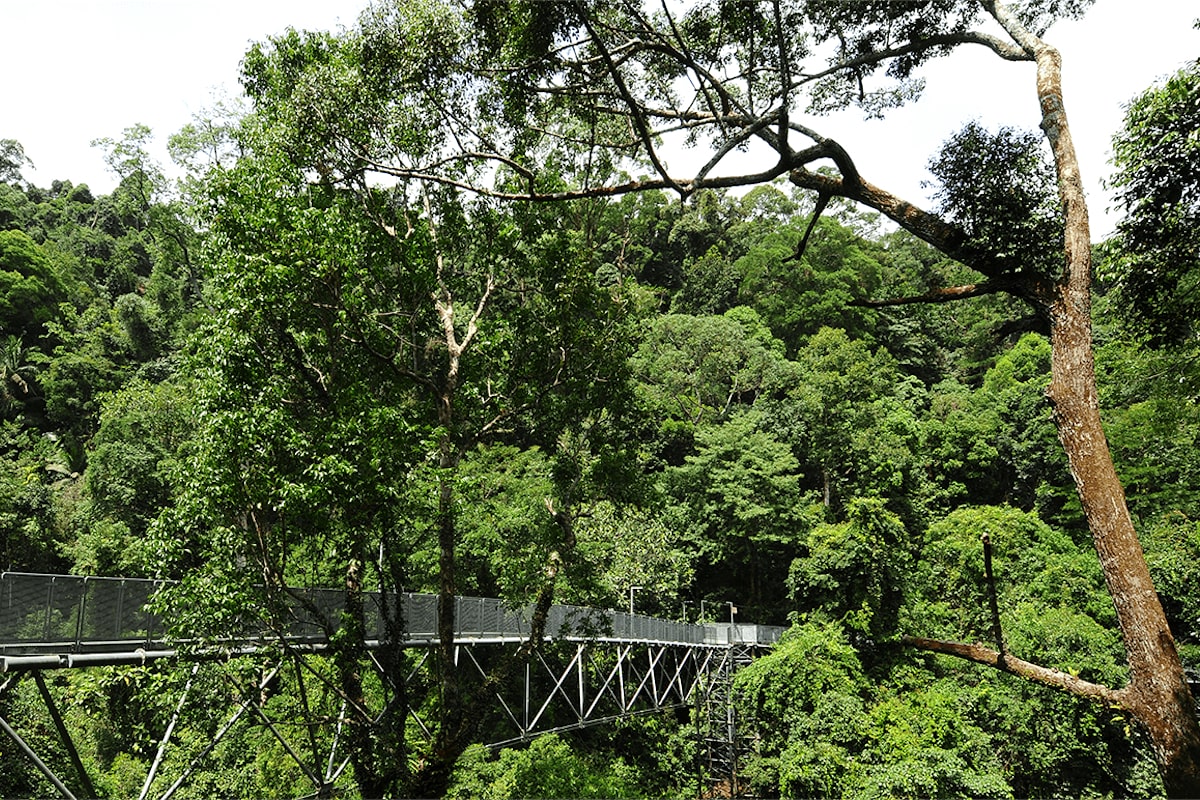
113	610
420	616
24	607
314	613
67	613
22	611
64	600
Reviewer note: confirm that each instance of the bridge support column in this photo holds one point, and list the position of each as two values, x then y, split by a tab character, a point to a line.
85	781
722	740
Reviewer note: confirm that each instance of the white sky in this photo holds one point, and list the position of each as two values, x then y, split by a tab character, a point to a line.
77	70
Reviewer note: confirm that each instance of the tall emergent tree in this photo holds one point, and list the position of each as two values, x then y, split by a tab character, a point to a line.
541	100
373	340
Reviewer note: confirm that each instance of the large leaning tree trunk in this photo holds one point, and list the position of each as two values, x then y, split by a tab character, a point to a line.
586	85
1157	695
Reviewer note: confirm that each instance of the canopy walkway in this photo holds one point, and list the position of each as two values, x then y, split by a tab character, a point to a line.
594	665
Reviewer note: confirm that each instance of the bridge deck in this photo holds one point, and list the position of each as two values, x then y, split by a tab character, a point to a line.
62	621
606	664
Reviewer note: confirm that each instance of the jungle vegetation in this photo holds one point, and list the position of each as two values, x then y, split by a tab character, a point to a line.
338	352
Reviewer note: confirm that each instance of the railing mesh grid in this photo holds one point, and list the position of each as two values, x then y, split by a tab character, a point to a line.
63	613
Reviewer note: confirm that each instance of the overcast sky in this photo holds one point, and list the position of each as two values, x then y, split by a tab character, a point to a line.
77	70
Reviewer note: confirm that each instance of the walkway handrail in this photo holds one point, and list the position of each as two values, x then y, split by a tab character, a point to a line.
58	614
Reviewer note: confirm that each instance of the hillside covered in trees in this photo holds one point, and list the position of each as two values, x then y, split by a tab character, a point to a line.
283	370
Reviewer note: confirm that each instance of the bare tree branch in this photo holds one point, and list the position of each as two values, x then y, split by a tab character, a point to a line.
1006	662
635	114
943	295
1004	49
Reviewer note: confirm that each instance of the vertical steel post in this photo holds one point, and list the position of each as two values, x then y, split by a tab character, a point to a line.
582	693
49	606
120	610
525	722
79	611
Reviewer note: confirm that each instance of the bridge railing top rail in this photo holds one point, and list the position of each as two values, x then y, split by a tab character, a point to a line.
42	613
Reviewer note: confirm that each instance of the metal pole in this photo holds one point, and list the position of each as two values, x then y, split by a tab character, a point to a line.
37	762
64	735
329	777
699	736
162	747
79	618
525	718
582	691
215	741
633	589
49	607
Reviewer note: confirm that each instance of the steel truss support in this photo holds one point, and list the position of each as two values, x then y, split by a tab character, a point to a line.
162	747
722	737
60	786
84	780
591	683
37	762
565	684
220	735
322	777
322	773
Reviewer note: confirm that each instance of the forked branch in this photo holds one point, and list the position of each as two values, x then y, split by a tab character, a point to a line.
1007	662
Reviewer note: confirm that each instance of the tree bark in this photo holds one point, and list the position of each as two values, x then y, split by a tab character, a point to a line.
453	724
375	776
446	747
1006	662
1157	695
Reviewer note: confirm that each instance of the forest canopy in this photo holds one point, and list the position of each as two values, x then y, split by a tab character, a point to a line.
430	314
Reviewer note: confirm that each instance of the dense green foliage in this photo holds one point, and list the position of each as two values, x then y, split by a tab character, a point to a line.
1157	181
294	377
805	470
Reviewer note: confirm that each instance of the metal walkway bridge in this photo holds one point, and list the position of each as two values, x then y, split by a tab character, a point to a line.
595	665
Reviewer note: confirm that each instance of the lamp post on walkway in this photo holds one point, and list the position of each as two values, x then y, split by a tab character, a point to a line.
633	589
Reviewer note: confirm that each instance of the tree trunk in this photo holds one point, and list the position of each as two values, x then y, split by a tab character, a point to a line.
1157	695
450	723
360	734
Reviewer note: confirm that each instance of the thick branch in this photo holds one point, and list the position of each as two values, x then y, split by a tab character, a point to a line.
946	295
997	45
614	190
1006	662
818	210
635	111
1024	38
929	227
949	239
735	141
785	78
